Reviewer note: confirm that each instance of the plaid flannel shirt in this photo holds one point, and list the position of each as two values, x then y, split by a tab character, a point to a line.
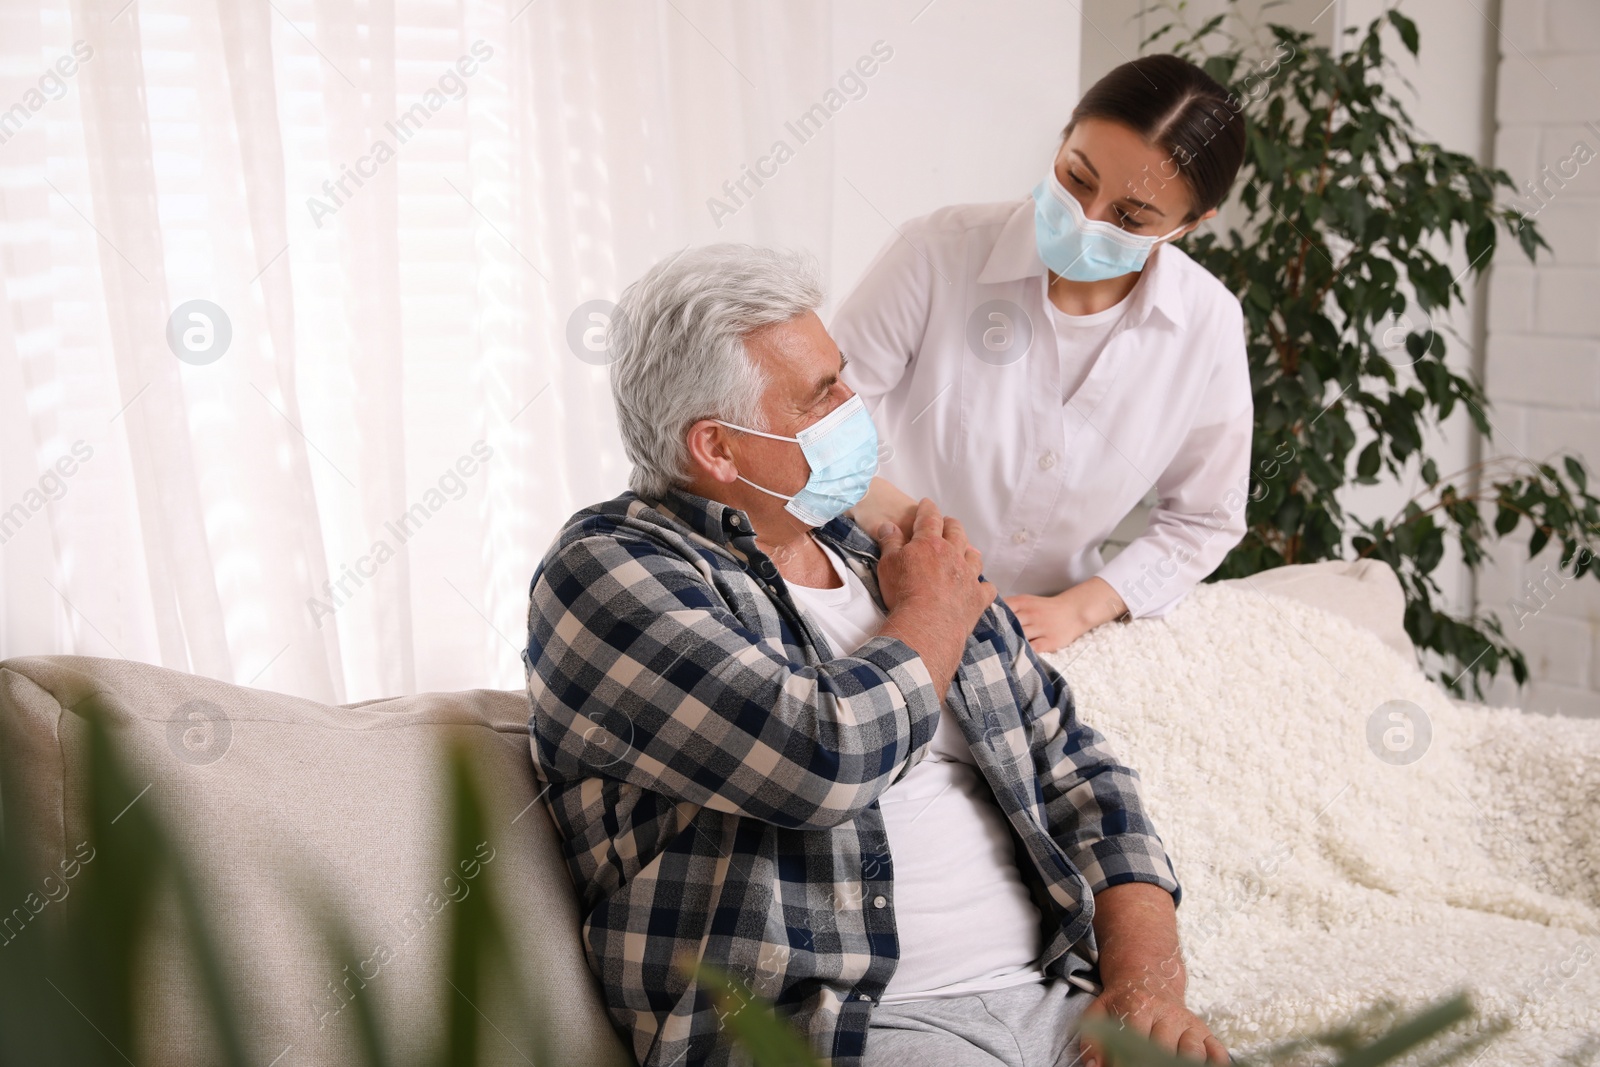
714	771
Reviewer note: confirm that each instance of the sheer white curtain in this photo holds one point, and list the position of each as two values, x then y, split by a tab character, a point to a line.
397	207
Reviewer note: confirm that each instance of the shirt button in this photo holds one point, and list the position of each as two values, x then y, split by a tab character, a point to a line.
733	520
879	901
1020	537
1047	461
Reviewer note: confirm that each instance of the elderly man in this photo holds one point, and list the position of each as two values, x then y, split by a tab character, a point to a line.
827	765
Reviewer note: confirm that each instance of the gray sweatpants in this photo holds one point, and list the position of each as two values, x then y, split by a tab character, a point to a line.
1032	1025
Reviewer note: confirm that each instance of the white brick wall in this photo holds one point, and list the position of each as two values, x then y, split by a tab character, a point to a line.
1542	365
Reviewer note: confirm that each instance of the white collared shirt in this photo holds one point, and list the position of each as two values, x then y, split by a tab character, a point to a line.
951	346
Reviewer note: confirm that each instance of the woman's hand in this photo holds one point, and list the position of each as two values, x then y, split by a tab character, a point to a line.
1054	622
883	503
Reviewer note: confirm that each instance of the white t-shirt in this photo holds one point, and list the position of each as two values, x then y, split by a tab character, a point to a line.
1081	338
965	921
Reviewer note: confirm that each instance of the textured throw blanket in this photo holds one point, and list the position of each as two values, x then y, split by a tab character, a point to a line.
1346	834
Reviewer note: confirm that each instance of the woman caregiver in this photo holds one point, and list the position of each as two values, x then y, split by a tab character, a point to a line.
1036	367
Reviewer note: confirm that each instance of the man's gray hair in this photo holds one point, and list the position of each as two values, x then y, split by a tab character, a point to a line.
678	347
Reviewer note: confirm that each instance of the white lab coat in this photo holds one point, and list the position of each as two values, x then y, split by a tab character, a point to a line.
949	344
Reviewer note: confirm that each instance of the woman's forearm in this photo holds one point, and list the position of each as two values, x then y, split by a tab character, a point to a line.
885	502
1096	602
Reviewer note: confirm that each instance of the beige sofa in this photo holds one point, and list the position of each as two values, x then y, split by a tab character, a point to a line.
282	802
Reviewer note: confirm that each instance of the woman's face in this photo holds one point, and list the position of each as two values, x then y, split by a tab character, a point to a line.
1120	179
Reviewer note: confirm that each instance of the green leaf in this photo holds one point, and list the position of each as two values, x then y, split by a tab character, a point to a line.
1423	1027
1123	1046
1210	25
1575	469
770	1041
1480	244
1529	239
1430	550
1371	457
94	953
1537	542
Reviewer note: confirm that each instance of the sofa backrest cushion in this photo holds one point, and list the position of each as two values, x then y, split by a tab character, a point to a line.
1365	591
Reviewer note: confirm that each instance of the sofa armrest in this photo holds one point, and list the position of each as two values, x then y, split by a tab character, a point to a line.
293	812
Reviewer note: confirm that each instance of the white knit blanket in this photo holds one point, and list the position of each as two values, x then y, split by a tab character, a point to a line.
1318	877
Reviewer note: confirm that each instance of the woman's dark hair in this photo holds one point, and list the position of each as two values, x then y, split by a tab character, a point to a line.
1180	109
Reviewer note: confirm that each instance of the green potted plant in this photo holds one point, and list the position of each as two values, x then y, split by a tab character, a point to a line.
1343	205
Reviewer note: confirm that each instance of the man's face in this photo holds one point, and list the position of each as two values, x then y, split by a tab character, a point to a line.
802	365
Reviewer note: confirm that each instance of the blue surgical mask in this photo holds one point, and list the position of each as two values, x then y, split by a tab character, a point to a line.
842	448
1080	249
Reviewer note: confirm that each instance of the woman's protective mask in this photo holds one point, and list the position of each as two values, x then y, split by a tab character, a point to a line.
842	448
1078	248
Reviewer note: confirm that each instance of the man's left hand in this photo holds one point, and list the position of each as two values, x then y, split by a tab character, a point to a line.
1143	974
1156	1011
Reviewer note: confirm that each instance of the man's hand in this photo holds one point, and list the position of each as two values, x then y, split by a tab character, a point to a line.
938	564
1155	1010
930	584
1142	970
